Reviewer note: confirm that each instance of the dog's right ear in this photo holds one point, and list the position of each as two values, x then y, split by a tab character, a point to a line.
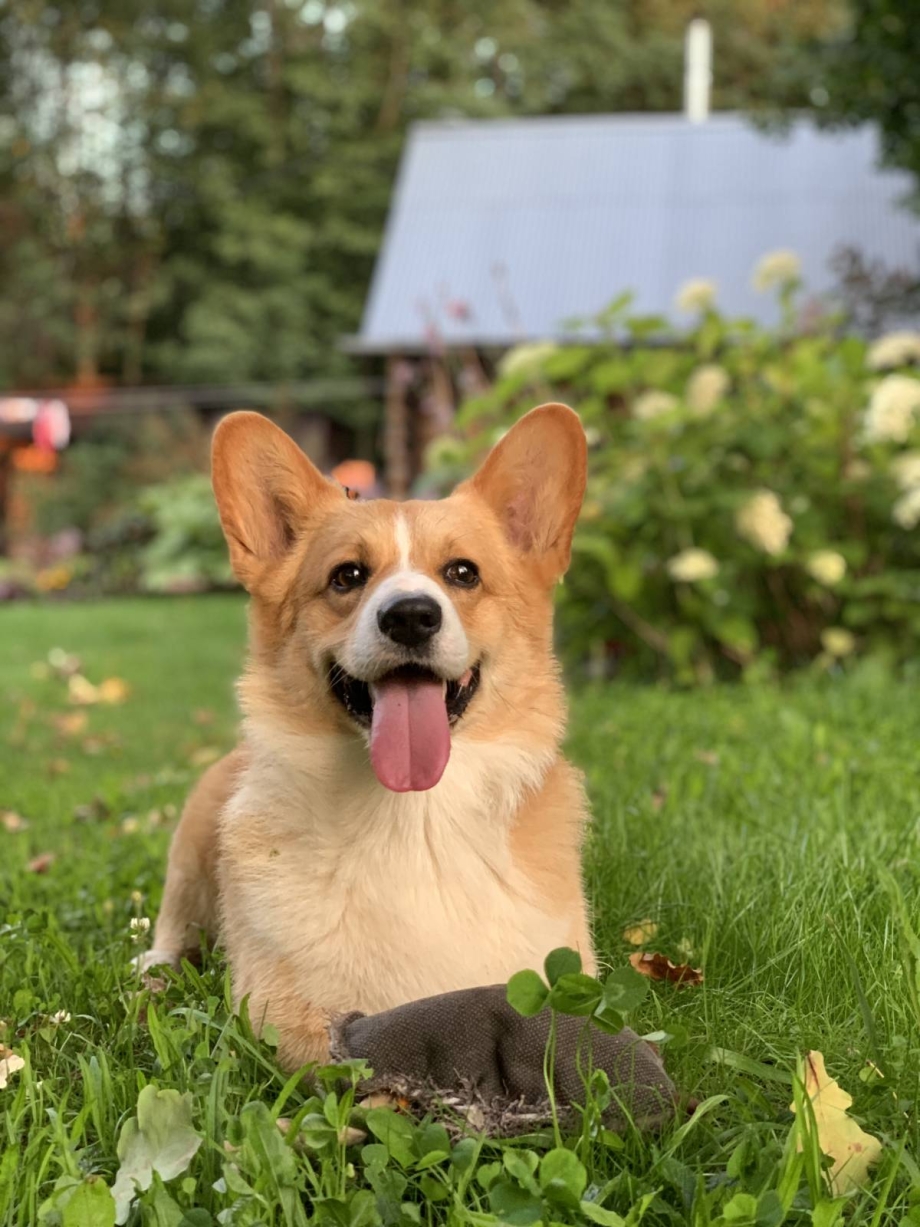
267	492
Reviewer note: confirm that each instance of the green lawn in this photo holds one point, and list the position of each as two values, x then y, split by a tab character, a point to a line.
762	830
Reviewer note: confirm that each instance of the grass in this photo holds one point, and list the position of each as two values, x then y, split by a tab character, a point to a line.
761	829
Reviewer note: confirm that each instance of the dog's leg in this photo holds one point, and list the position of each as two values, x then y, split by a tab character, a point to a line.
190	896
268	985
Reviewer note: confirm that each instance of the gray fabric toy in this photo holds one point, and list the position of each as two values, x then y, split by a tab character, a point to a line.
471	1052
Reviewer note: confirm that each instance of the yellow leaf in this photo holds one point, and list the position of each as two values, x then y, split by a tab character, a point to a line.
852	1150
113	690
640	933
81	690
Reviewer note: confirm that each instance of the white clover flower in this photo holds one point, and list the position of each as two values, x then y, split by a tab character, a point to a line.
59	1017
893	408
139	926
706	387
905	469
838	641
894	349
827	567
653	404
906	511
10	1063
692	565
762	522
777	268
526	358
696	295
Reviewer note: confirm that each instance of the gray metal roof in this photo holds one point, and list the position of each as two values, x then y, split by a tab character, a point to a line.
500	230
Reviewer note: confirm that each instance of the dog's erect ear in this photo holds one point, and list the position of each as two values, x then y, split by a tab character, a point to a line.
267	492
534	480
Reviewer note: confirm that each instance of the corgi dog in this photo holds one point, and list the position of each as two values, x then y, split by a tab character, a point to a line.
397	820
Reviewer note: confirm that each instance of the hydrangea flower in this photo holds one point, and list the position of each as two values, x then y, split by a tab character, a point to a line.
653	404
696	296
776	269
827	567
893	409
706	387
692	565
893	349
762	522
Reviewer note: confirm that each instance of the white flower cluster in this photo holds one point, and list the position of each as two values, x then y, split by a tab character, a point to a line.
696	296
894	349
827	567
905	469
526	358
706	387
762	522
893	409
692	565
838	641
653	404
776	269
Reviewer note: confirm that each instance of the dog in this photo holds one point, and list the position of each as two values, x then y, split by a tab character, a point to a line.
398	820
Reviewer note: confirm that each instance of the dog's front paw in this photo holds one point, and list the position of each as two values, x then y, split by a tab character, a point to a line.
157	958
471	1050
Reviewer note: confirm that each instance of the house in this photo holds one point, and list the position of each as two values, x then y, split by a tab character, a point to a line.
501	231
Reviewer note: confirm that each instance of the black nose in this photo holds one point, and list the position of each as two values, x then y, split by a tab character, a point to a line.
410	620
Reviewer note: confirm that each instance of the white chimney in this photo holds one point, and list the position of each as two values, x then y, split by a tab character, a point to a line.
697	70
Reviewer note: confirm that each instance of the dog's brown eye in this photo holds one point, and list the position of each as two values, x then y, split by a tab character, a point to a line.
348	576
462	573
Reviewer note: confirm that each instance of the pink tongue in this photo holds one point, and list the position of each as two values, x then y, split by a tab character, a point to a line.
410	736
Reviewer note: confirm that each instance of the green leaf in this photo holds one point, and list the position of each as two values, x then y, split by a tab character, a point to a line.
625	990
527	993
89	1205
521	1166
396	1132
513	1204
563	1178
159	1139
561	962
597	1214
265	1150
575	993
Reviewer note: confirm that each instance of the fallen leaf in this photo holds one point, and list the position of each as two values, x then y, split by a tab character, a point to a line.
12	822
203	716
81	691
657	967
70	723
640	933
113	690
709	757
852	1150
204	756
659	796
64	664
95	811
41	863
159	1139
10	1063
58	766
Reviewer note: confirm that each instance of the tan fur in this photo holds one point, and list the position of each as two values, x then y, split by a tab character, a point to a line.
329	892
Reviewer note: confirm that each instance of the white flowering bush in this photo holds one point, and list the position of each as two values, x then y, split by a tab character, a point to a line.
753	501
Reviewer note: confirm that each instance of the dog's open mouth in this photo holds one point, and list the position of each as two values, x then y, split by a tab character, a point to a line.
410	713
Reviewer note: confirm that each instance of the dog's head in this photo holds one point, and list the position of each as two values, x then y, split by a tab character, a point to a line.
404	623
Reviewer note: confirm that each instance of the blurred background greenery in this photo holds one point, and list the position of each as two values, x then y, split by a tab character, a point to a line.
192	196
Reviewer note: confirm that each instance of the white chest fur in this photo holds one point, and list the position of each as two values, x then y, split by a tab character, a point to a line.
374	898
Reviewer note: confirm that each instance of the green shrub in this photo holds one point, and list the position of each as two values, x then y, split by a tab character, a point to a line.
187	552
753	493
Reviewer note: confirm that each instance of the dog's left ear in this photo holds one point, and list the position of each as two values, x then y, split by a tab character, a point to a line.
534	481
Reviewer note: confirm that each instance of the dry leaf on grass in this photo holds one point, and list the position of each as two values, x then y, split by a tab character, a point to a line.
203	716
41	863
640	933
70	723
12	822
10	1063
658	967
852	1149
82	691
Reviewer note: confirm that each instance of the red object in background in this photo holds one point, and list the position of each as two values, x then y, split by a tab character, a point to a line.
357	475
49	419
